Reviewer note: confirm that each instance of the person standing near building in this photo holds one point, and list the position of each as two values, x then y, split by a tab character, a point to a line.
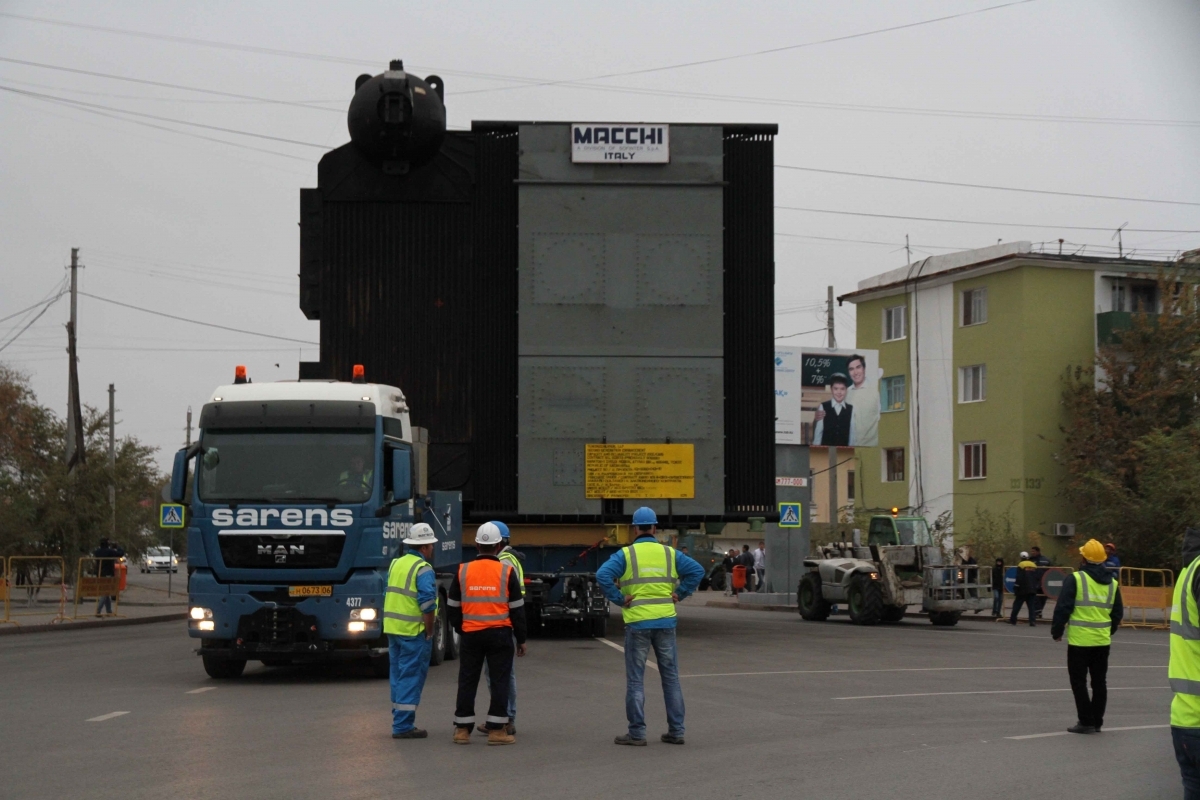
1035	555
487	609
652	577
728	563
409	610
1089	608
107	568
1183	671
511	557
1024	590
760	566
998	588
746	560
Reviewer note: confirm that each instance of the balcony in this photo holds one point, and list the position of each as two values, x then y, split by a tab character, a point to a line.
1109	325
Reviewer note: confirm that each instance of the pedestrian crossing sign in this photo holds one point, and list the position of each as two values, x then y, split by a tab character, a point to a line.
789	515
170	515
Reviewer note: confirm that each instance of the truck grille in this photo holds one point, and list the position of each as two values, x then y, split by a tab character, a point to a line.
281	552
278	628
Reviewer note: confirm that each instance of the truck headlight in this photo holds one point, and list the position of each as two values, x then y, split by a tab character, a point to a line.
367	614
356	627
200	613
206	625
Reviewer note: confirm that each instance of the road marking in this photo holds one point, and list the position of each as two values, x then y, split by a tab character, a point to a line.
896	669
993	691
1105	730
201	690
1028	638
616	646
104	717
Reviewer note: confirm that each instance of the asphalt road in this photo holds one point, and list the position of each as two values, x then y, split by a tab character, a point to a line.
777	707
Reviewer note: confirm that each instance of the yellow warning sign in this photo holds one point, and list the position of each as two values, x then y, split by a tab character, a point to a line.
653	471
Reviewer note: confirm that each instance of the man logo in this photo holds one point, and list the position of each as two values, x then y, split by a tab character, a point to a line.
280	552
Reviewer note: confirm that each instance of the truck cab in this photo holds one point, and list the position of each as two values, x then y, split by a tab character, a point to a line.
300	495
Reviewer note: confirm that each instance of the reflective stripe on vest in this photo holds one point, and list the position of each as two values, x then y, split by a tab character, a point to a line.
484	585
650	579
1090	624
509	557
401	611
1183	672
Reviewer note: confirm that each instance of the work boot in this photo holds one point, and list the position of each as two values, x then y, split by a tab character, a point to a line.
629	740
672	739
500	736
483	728
462	735
412	733
1081	728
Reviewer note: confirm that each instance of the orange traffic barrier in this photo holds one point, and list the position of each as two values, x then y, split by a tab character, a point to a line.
96	586
1145	590
31	576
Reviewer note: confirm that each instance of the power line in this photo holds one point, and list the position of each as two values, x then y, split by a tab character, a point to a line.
802	333
45	308
867	241
35	305
979	222
196	321
986	186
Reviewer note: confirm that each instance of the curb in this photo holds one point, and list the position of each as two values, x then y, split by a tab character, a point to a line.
89	624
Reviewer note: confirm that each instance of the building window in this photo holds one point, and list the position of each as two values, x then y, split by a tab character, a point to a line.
974	306
974	460
1135	296
972	383
891	393
895	323
850	485
893	464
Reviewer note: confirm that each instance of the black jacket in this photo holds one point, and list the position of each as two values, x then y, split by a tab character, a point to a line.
515	615
997	577
106	567
1065	605
1027	582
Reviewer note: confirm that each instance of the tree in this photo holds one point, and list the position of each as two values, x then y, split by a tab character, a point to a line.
1132	444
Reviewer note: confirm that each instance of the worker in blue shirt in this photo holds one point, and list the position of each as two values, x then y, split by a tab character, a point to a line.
646	579
409	614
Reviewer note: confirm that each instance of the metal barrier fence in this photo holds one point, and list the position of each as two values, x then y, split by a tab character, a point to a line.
18	572
97	586
1146	590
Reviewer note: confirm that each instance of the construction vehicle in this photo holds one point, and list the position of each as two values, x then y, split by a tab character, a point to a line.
900	566
300	497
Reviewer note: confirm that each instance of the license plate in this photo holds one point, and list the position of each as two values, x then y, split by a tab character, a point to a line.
310	591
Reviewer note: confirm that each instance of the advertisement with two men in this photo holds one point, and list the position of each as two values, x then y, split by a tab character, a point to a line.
827	397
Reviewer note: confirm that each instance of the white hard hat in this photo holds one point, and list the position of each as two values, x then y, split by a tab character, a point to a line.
1024	554
420	534
488	533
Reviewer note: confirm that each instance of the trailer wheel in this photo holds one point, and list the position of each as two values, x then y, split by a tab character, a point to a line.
223	668
865	600
811	605
944	618
893	613
438	652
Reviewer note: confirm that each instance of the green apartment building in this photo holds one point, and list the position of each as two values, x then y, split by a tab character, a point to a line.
973	349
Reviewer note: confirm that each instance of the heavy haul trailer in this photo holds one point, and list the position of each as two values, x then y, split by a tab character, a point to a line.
530	304
299	499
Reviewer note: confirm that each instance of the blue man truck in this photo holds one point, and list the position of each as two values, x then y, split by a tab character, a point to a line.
300	494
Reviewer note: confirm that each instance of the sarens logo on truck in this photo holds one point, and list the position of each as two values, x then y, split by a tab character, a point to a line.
287	517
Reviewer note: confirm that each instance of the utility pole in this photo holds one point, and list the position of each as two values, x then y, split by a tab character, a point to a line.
189	428
76	453
112	456
907	251
1120	243
830	336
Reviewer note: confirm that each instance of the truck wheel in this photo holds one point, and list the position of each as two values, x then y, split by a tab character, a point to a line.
893	613
223	668
381	665
865	600
809	601
438	653
717	580
944	618
599	627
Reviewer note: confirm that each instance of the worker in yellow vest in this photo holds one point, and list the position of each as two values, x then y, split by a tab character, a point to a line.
646	580
511	557
1184	669
1090	609
487	609
409	610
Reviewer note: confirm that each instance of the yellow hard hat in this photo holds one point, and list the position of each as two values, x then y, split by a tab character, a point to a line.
1093	551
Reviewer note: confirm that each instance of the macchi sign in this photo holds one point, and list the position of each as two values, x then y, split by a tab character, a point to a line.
612	143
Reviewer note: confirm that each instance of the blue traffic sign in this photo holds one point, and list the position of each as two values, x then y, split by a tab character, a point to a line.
790	515
170	515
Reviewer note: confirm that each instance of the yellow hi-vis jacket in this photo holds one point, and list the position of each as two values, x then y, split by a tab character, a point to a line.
509	557
650	579
1090	624
1183	671
401	613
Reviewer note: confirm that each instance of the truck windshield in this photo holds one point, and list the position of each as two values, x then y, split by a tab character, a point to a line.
914	531
296	466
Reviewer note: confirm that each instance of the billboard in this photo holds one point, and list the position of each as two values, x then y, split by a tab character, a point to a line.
827	397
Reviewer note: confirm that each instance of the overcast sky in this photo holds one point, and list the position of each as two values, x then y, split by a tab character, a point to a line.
206	230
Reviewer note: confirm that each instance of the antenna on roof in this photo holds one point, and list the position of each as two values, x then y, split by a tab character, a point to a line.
1120	244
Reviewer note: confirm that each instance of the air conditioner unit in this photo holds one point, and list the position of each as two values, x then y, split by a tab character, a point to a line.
1064	529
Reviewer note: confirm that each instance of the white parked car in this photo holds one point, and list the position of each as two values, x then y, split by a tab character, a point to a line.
159	559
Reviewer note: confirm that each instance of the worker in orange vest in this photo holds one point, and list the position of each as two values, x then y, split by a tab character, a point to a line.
487	609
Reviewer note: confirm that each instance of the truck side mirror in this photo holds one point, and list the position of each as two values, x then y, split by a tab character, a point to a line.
401	476
179	476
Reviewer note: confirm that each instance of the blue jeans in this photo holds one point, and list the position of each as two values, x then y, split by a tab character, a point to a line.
102	603
637	648
408	658
1187	753
512	685
997	602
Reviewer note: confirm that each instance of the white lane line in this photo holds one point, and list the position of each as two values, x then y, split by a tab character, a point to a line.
993	691
897	669
104	717
616	646
1106	730
204	689
1028	638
